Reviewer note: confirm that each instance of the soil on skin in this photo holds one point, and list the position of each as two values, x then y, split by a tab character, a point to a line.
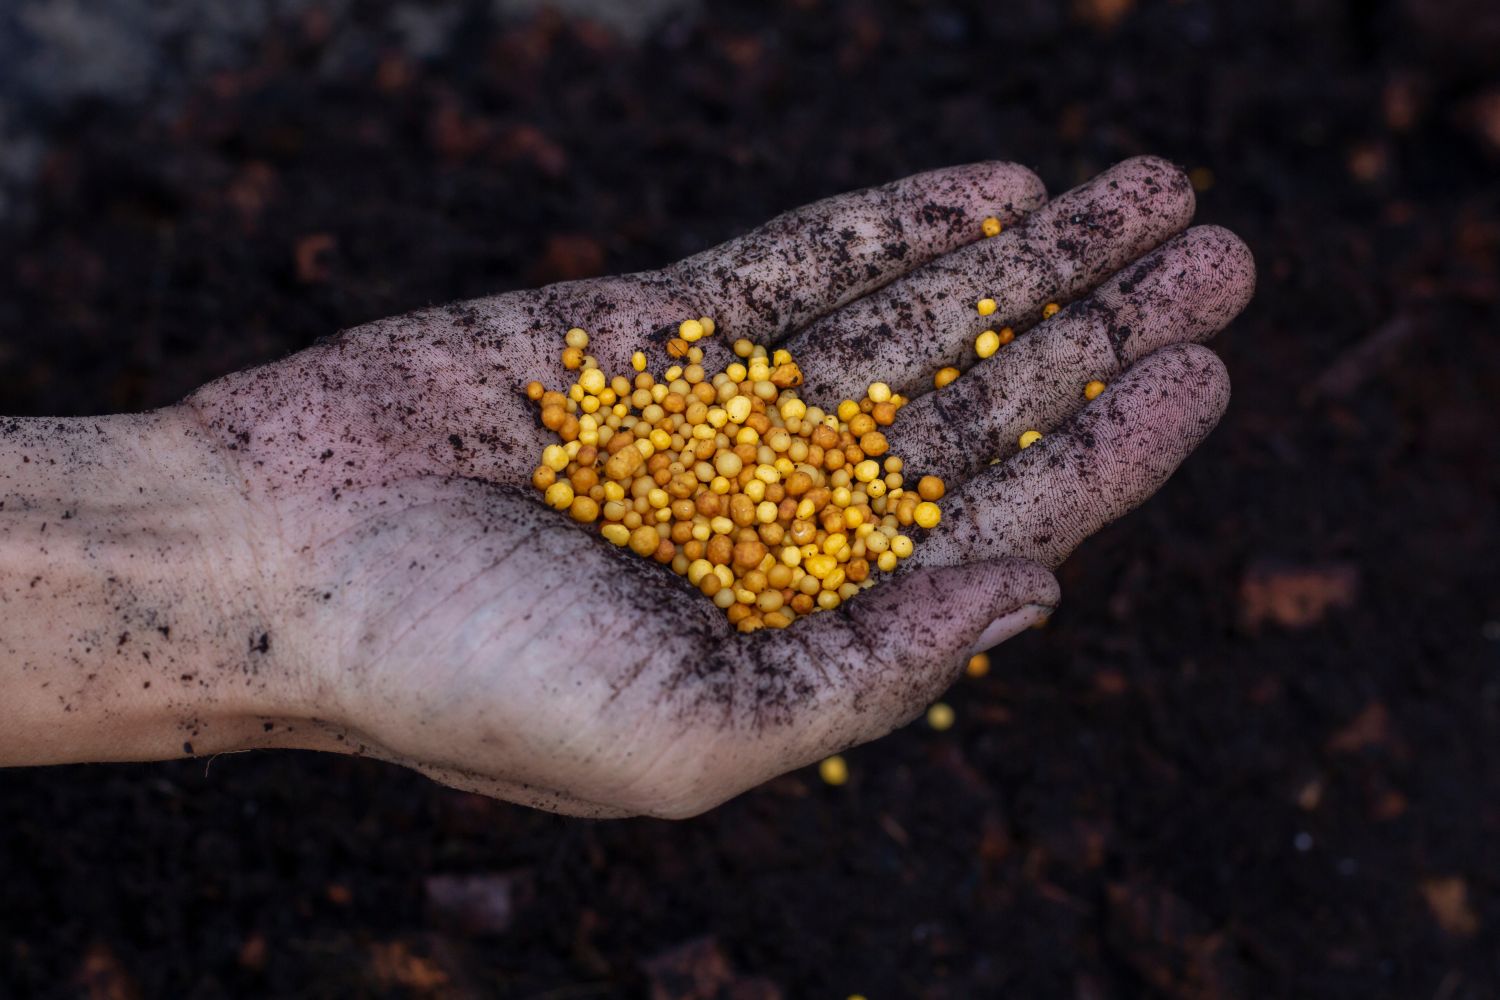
1255	754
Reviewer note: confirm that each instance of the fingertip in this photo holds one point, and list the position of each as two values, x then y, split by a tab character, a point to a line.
1000	188
1181	391
1161	181
1011	186
1233	259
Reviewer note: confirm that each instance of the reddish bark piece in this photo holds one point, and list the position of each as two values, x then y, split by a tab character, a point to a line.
1448	899
310	254
1171	945
1370	728
1295	596
394	964
102	976
700	970
568	257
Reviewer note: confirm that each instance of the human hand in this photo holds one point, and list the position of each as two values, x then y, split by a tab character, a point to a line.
420	605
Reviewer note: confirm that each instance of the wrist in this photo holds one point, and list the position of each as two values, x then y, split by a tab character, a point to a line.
136	619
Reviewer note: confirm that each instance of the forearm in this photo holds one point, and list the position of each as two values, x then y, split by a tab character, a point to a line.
132	622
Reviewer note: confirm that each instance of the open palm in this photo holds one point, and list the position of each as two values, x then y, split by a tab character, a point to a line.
443	618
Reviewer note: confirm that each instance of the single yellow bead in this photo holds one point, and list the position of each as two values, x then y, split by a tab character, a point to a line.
555	457
584	510
833	770
617	534
559	495
577	337
690	330
986	344
927	514
886	561
879	392
902	546
990	226
593	381
986	306
638	361
743	348
708	324
1050	309
1029	438
978	665
1093	389
940	716
848	410
1006	335
944	376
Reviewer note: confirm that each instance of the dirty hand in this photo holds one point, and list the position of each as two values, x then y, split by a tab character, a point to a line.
359	562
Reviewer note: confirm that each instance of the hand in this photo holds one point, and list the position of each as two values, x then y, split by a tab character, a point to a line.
420	605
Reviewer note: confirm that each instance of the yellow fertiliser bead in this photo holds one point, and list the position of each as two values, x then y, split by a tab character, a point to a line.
1006	335
944	376
986	306
690	330
1029	438
577	337
978	665
559	496
940	716
638	361
879	392
833	770
986	344
707	322
1093	389
990	226
927	514
1050	309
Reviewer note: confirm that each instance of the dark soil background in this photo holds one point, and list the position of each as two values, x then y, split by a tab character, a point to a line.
1256	753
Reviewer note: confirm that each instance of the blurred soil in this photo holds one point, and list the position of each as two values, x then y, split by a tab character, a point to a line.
1256	754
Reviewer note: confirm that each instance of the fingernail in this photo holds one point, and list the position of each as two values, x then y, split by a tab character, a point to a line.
1005	626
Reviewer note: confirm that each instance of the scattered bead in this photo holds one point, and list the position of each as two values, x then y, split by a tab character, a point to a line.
1050	309
940	716
986	306
1029	438
987	343
944	376
1093	389
990	226
833	770
978	665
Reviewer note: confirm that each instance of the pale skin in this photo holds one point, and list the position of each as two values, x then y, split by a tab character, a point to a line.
342	551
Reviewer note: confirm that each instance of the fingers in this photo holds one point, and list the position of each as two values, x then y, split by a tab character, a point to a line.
926	320
812	260
848	676
1117	452
1184	291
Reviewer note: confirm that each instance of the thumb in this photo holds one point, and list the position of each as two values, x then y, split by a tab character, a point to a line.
877	661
